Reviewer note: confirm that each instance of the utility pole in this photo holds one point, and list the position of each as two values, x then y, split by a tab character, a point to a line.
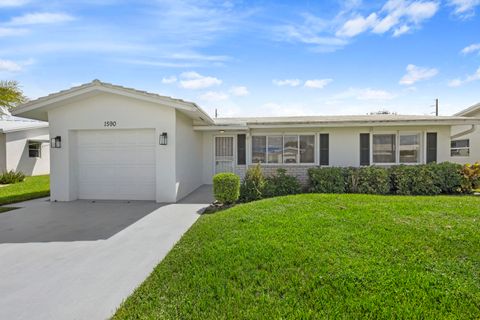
216	114
436	107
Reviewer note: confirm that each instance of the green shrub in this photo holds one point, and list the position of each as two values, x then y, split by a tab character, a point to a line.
252	185
281	184
471	174
373	180
351	177
326	180
226	187
448	177
415	180
11	177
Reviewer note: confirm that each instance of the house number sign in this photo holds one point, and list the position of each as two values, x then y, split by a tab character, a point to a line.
110	123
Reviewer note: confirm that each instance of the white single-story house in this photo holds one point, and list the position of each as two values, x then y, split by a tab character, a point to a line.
112	142
465	144
24	145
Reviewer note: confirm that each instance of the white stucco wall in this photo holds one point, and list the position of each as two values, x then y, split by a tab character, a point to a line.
3	153
90	114
188	156
344	144
474	138
16	149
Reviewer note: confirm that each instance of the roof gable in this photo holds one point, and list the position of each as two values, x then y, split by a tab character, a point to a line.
470	111
38	108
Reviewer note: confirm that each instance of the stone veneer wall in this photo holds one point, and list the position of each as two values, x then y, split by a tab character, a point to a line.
299	171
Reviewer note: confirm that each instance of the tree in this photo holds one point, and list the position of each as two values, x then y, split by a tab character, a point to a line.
10	94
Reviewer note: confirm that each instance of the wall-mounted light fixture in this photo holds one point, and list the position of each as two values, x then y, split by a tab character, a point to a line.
56	142
222	131
163	139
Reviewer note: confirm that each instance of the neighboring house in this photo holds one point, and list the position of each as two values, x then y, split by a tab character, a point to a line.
465	145
120	143
24	145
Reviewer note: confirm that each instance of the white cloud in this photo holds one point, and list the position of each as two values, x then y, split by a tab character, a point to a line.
459	82
401	30
169	80
12	3
317	83
213	96
40	18
471	48
12	32
464	8
312	31
415	74
193	80
287	82
357	25
239	91
400	16
9	66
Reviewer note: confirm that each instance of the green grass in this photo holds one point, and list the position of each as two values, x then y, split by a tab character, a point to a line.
30	188
322	256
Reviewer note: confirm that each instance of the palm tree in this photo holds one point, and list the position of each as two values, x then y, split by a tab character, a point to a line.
10	94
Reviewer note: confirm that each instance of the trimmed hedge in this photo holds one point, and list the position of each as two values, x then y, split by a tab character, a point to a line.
431	179
281	184
226	187
373	180
326	180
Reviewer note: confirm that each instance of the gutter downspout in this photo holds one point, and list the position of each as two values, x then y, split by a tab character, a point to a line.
461	134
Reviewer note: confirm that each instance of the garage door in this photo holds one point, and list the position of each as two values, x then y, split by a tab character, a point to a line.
116	164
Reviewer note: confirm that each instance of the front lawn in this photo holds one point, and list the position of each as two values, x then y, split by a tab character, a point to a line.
30	188
322	256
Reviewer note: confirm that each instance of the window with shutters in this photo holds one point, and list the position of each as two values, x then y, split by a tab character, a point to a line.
396	148
287	149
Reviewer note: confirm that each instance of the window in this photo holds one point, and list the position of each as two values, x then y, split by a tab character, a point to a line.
384	148
409	148
290	149
275	149
460	148
283	149
34	149
259	149
307	149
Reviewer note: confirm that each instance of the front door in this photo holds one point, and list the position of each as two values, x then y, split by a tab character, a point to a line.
224	154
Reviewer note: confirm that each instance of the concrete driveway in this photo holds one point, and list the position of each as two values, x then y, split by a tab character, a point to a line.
80	260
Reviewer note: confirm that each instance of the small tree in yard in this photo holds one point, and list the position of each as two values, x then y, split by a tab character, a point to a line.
10	94
226	187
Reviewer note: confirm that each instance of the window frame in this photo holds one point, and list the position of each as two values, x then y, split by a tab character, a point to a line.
398	133
460	148
38	149
420	151
283	135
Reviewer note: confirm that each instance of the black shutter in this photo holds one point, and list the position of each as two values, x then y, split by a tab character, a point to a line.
241	149
364	149
431	147
324	149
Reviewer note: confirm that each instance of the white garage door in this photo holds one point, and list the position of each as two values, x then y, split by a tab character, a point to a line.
116	164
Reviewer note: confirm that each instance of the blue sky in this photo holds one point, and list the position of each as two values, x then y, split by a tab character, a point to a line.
253	58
